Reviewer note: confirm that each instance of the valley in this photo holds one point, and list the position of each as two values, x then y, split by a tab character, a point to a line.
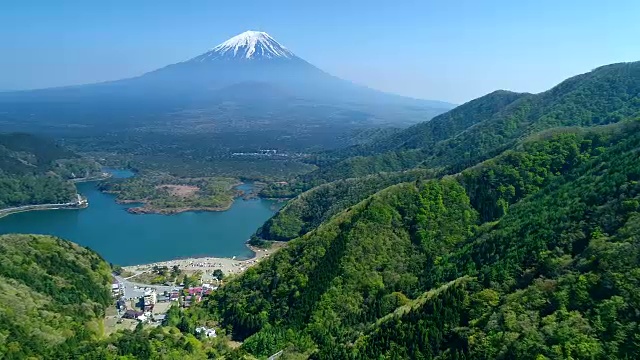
257	207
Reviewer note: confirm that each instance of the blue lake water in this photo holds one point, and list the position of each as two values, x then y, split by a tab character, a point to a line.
127	239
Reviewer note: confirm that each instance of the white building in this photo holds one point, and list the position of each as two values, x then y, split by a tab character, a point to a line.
151	296
115	290
207	332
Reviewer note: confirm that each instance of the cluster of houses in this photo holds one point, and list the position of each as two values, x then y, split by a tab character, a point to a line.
266	152
144	312
138	303
194	294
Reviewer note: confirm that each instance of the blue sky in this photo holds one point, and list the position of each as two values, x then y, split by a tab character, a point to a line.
446	50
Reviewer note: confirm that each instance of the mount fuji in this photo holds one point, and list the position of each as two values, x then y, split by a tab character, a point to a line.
248	45
249	81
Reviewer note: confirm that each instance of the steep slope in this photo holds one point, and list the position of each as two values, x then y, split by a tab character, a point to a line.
53	294
415	146
484	127
311	208
526	168
554	281
345	272
440	128
341	287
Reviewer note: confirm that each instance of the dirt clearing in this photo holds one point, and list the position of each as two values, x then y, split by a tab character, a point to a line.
180	190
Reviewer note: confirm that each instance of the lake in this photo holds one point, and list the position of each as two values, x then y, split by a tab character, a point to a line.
127	239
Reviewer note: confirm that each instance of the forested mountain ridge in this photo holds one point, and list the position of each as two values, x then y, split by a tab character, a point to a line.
53	294
314	206
35	170
484	127
26	154
528	227
440	127
527	249
311	208
556	278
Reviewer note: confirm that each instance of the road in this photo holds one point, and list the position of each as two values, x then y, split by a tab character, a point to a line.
73	204
130	291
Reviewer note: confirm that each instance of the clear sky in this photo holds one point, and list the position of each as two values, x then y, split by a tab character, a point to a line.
436	49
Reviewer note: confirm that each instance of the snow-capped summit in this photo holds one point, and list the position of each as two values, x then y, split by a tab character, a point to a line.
248	45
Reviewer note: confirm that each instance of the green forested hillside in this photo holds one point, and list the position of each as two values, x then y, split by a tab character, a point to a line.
35	170
350	270
516	235
319	204
27	154
440	128
52	295
524	169
540	243
29	190
556	278
486	126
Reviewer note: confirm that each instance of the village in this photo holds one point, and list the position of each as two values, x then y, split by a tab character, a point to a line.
148	305
143	294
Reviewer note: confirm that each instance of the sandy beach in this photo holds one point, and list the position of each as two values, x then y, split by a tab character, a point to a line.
208	264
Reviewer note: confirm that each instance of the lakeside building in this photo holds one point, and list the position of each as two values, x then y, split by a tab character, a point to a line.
81	201
116	289
149	299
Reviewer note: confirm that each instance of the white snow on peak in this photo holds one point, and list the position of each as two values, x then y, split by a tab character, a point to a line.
248	45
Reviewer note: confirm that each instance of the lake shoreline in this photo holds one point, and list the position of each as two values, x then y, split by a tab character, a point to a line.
147	208
103	176
228	265
124	239
168	211
45	207
40	207
67	206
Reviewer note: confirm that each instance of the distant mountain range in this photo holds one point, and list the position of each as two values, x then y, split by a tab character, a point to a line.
249	79
484	127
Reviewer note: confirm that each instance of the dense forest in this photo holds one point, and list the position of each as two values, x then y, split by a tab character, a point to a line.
319	204
556	277
52	295
508	228
484	127
29	190
35	170
520	167
428	270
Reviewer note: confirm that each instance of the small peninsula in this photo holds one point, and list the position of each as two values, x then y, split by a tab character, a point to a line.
160	193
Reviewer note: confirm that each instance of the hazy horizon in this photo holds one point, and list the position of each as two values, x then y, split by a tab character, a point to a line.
448	52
